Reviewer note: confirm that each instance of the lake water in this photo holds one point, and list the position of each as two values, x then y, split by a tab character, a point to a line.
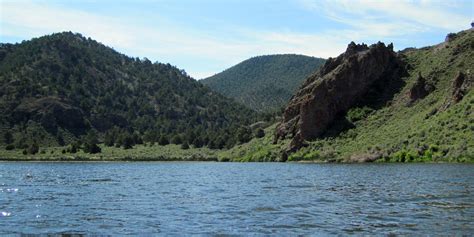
177	198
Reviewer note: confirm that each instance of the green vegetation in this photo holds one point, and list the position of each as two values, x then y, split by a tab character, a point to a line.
58	88
434	128
136	122
143	152
264	83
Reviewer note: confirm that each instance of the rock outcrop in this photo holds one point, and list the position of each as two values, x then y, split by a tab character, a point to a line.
335	88
460	85
419	90
51	112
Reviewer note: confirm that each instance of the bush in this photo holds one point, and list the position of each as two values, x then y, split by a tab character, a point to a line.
127	142
244	134
33	149
109	139
185	145
163	140
197	142
259	133
8	137
90	143
9	147
356	114
92	148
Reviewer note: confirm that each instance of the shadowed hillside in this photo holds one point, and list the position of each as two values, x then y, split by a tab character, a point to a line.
57	88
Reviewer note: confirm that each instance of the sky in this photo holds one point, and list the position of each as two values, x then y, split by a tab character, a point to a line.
204	37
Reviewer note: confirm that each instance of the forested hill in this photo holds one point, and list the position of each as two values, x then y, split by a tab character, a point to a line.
264	83
61	86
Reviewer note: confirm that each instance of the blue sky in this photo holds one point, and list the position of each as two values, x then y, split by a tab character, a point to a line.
205	37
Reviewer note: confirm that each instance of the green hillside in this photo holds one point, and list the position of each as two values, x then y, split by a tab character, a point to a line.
436	125
264	83
57	88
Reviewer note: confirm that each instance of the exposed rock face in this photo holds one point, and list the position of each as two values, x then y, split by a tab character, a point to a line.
419	90
337	86
460	86
51	112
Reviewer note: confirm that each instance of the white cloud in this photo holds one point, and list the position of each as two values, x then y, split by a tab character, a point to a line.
202	54
164	41
374	18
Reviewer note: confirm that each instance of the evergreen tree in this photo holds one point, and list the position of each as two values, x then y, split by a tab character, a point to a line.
197	142
212	145
244	134
33	148
176	139
185	145
163	140
109	139
127	142
137	139
90	143
8	137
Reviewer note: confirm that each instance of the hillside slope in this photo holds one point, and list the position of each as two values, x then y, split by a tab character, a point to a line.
264	83
57	88
423	114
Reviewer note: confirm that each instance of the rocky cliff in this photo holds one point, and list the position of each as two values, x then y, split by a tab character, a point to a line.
336	87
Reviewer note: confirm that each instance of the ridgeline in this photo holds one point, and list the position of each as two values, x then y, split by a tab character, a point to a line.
264	83
59	88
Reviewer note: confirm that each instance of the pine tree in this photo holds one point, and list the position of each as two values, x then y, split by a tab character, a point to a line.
109	138
127	142
90	143
8	137
33	148
176	139
185	145
163	140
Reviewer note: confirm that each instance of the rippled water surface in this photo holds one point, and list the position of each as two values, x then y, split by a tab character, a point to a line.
233	198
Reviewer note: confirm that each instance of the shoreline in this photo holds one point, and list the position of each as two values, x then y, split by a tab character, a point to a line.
215	160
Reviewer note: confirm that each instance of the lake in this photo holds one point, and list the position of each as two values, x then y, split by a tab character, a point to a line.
176	198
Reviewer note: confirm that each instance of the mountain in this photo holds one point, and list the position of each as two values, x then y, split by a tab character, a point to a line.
374	104
264	83
57	88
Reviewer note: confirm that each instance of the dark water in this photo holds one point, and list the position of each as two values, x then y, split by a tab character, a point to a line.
232	198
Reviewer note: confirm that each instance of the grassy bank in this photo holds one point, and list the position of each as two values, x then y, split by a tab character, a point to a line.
138	153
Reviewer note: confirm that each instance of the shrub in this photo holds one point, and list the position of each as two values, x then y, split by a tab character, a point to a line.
176	139
127	142
92	148
33	149
9	147
244	134
163	140
185	145
356	114
259	133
